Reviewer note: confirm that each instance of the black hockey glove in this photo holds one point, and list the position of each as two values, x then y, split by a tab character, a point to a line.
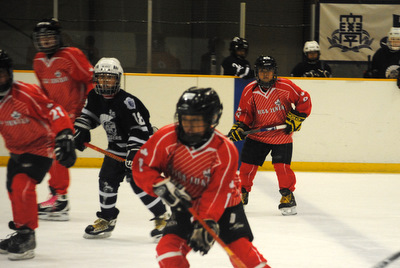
200	239
237	131
82	135
398	79
294	120
129	158
65	149
173	195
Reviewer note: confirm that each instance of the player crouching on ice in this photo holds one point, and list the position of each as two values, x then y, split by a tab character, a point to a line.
34	128
190	164
127	124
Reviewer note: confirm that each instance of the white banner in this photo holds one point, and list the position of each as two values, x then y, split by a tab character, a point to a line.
351	32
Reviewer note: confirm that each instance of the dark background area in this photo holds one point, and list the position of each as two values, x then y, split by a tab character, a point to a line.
183	32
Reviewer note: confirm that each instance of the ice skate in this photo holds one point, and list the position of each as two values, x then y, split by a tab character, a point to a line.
56	208
245	196
19	245
159	223
288	203
101	228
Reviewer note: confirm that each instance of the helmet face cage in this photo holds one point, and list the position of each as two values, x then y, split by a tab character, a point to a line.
106	71
47	36
238	43
198	101
393	42
7	65
267	63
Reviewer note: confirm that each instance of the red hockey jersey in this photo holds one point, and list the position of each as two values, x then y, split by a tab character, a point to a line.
259	109
208	172
65	78
29	120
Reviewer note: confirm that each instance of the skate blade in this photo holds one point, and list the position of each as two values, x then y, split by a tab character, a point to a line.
2	251
21	256
97	236
288	211
54	216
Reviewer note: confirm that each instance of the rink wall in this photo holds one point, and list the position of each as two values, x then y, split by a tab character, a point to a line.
354	125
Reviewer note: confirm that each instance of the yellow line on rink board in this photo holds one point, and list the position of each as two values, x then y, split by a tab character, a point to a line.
84	162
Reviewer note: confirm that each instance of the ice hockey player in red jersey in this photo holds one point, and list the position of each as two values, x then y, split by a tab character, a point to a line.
189	163
34	128
65	75
268	102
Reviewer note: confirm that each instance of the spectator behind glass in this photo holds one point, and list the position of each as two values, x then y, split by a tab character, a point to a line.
311	66
386	60
236	64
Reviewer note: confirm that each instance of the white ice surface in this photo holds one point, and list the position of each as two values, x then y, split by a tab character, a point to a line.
344	220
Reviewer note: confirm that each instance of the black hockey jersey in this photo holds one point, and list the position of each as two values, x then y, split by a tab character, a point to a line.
124	118
317	69
233	65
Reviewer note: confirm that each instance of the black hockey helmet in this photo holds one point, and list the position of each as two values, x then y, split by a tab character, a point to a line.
198	101
239	43
7	65
267	63
47	36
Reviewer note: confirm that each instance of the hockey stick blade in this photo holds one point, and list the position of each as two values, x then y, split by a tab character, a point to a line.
111	155
388	260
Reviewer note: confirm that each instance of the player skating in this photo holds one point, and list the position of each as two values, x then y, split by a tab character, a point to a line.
189	163
65	76
31	125
127	124
268	102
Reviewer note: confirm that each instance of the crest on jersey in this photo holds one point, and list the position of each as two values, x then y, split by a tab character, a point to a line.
130	103
15	115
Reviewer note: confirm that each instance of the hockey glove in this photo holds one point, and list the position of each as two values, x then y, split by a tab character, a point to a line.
200	239
237	132
129	158
173	195
398	79
65	148
294	120
82	135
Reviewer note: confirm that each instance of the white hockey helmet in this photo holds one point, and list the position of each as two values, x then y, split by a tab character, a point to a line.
104	70
393	42
311	46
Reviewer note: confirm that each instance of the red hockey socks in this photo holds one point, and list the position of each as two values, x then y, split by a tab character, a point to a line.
59	178
286	177
247	174
248	253
23	201
172	251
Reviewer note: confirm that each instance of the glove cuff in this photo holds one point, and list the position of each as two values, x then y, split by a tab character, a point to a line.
243	126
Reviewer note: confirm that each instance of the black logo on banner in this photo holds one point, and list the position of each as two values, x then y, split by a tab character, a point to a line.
350	36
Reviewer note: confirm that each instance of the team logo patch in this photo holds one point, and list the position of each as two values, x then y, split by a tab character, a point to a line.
130	103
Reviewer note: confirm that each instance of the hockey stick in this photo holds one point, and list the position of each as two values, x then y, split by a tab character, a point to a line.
388	260
265	129
231	254
113	156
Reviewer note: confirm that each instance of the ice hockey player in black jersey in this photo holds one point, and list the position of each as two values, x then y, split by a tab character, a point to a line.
311	66
386	60
127	124
236	64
